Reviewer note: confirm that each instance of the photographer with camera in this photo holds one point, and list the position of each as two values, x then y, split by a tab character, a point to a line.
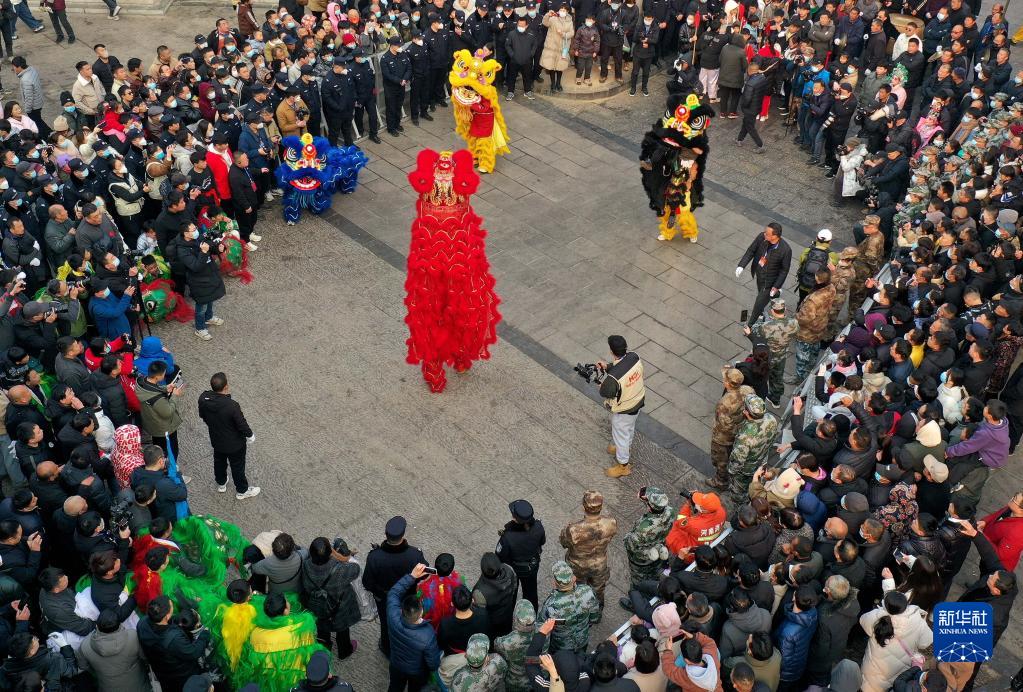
64	298
292	113
110	313
22	251
97	232
621	385
202	276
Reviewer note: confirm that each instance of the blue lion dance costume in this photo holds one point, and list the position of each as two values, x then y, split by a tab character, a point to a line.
312	171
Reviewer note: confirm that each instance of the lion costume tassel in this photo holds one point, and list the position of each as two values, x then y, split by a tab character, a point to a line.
452	307
672	162
477	107
311	172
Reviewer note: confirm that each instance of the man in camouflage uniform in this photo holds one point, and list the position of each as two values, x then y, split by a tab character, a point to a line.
812	317
644	544
868	263
585	543
841	279
752	446
513	645
777	331
727	418
573	606
483	672
915	206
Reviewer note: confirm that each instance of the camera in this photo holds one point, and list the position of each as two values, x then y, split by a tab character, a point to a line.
120	513
59	307
80	284
133	255
211	237
591	372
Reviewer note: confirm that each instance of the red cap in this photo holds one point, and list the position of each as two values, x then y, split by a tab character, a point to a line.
707	502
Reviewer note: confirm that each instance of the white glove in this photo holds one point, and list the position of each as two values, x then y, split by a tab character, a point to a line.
55	642
837	41
35	244
652	554
34	262
662	552
738	272
252	439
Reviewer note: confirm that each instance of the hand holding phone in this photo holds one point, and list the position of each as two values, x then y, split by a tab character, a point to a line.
744	316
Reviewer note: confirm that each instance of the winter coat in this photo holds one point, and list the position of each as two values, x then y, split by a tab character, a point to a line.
733	63
586	41
227	425
172	653
651	33
31	90
709	47
793	638
755	542
498	596
882	664
115	658
202	273
739	626
555	55
115	403
1006	535
168	492
991	441
821	37
813	314
335	578
834	622
849	163
414	649
158	410
109	315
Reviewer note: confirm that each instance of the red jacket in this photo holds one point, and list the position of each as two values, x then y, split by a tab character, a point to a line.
219	169
690	532
482	119
1006	535
680	676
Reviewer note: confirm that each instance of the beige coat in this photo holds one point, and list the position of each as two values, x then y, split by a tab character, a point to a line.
556	48
88	96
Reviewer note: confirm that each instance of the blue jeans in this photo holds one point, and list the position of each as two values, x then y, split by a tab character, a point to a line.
111	4
203	312
817	148
25	12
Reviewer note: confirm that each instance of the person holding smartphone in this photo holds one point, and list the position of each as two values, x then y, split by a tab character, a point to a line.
158	405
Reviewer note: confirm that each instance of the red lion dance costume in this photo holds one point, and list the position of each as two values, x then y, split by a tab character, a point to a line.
452	306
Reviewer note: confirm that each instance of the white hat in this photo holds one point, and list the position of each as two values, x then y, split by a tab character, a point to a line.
824	235
938	470
786	486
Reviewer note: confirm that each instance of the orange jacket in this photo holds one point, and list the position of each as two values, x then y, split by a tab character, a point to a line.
689	531
680	677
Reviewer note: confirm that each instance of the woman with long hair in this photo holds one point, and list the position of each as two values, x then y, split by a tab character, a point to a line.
922	584
897	632
18	118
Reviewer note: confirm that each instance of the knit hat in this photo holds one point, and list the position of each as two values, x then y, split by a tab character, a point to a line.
60	124
476	650
855	502
929	434
786	486
524	616
666	620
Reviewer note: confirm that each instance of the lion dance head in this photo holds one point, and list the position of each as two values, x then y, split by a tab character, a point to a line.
685	119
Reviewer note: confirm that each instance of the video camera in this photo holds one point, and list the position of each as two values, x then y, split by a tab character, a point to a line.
120	513
591	372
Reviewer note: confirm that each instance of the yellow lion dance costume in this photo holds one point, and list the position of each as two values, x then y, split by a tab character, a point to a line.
478	118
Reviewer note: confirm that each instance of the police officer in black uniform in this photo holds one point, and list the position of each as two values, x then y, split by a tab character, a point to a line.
419	95
534	13
310	95
396	71
385	565
504	24
338	96
520	545
365	97
479	28
440	47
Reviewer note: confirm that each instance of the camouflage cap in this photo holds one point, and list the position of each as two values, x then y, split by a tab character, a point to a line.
850	252
754	405
593	500
734	377
778	305
954	160
1000	96
476	650
524	616
919	191
563	574
655	498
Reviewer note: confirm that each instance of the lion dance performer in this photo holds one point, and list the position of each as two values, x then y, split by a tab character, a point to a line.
452	307
672	162
478	118
311	171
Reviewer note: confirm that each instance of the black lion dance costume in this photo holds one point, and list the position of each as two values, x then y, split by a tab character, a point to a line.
672	161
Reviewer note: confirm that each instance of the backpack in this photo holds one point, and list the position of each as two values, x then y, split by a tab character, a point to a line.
816	259
317	597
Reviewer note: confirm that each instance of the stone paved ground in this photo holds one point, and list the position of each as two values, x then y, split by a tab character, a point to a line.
348	434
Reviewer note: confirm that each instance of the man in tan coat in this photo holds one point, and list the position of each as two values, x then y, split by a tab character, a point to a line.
88	92
292	113
585	543
813	317
727	418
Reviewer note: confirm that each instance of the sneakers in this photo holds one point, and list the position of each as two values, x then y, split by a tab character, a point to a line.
618	471
117	10
692	239
251	247
509	96
255	238
646	93
529	96
203	334
222	488
290	223
277	192
625	603
578	82
251	492
632	91
37	29
215	321
758	150
268	197
738	142
661	236
186	479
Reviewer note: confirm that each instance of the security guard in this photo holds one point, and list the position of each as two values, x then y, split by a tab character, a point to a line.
419	95
623	391
338	96
310	95
479	28
440	45
365	95
396	70
504	25
520	545
535	15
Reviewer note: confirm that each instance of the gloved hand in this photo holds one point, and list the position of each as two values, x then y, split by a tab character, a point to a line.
652	554
34	262
55	642
738	272
252	439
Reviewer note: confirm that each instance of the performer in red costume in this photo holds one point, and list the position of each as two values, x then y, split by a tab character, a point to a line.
452	306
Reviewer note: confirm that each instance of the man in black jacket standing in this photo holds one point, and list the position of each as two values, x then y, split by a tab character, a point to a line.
229	435
520	544
842	111
173	654
396	69
245	197
769	258
386	564
749	103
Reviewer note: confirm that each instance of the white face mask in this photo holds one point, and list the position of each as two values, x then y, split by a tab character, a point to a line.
589	22
521	29
562	13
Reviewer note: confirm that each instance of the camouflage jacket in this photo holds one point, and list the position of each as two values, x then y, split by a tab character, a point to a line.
487	678
813	314
753	441
727	417
512	647
648	533
585	542
778	333
578	608
871	255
